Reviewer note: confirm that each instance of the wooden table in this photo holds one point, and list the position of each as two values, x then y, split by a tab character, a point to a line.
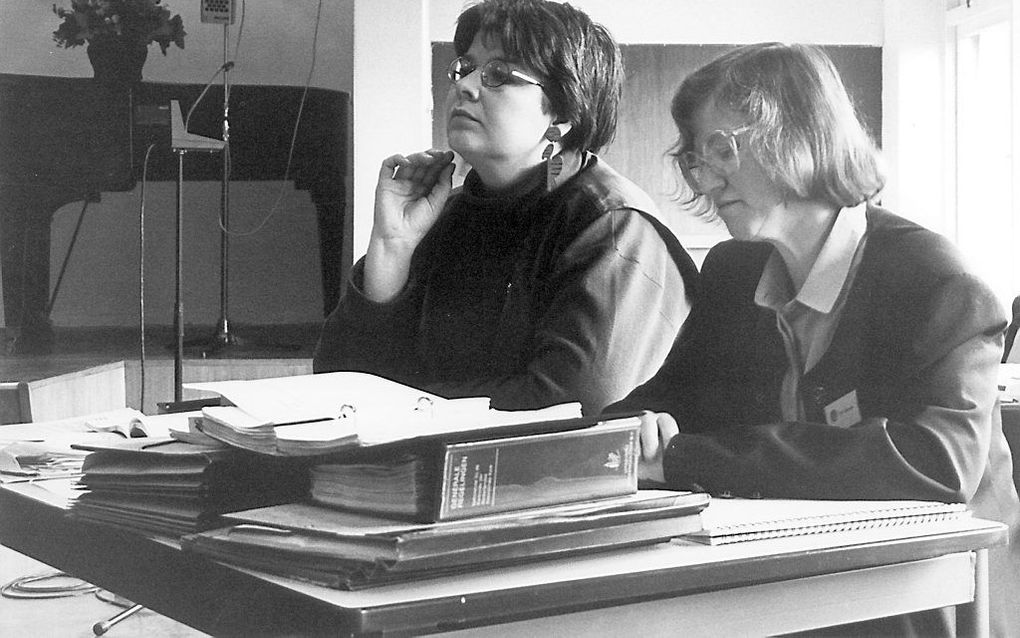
679	588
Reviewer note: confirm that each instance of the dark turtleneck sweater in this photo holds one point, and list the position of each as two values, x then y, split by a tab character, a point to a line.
529	297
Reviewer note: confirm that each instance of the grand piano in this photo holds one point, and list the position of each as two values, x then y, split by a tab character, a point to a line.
64	140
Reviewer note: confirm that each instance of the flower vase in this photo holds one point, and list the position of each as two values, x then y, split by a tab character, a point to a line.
116	63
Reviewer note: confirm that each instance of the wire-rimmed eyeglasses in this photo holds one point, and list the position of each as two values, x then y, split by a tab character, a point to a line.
495	72
720	154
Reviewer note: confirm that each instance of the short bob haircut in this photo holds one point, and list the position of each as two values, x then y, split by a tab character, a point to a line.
805	132
577	60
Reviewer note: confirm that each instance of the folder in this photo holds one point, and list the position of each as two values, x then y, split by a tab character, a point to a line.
352	551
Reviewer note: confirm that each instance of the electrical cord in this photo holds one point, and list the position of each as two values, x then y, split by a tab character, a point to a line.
67	257
226	66
36	586
141	277
293	139
109	597
33	586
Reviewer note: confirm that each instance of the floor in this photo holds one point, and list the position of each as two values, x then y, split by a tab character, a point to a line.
73	617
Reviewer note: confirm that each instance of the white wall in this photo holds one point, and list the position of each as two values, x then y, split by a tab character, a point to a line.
914	116
714	21
906	27
275	48
392	95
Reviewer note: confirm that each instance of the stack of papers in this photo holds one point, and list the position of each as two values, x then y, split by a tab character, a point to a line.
351	551
165	486
309	415
29	460
45	449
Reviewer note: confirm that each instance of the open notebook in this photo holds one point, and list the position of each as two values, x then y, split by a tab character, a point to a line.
735	520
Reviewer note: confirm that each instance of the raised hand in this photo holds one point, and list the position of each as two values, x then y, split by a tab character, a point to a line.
409	198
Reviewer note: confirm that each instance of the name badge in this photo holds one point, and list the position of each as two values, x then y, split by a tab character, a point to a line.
844	411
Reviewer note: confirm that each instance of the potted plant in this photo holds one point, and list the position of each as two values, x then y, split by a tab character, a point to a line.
118	34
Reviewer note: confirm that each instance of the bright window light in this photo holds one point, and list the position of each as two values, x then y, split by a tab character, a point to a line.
986	228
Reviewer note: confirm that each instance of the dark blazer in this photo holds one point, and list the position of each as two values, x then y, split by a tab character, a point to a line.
919	341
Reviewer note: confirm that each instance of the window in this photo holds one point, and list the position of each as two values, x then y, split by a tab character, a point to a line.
985	197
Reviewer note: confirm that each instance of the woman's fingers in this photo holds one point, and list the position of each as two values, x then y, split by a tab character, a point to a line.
390	166
656	431
649	436
433	169
423	167
668	428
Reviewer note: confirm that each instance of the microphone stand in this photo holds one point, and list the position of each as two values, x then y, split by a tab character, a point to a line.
179	281
182	142
224	337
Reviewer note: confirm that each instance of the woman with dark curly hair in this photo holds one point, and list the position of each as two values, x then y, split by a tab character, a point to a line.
546	278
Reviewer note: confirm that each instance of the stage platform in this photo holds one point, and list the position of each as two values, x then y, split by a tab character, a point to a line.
94	370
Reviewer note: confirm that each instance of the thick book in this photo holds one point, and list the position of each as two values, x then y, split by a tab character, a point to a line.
350	551
452	479
738	520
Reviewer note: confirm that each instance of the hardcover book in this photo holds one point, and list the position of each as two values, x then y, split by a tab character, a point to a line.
448	480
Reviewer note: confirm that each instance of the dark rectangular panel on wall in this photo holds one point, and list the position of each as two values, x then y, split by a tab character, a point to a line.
646	132
63	140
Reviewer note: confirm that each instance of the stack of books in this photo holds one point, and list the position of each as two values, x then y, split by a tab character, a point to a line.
349	550
399	492
169	487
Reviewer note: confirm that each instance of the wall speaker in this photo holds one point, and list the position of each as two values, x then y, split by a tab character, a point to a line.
218	11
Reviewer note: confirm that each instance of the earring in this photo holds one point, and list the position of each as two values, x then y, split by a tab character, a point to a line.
552	156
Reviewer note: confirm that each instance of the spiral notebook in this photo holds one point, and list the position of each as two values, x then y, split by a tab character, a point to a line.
737	520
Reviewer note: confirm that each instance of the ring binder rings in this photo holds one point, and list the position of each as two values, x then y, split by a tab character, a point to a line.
307	415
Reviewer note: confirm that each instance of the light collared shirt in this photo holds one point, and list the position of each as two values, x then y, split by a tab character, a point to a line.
808	319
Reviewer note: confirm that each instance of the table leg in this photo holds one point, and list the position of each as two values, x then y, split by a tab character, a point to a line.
972	619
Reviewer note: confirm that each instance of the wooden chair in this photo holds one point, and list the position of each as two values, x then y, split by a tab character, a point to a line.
52	395
1011	332
15	402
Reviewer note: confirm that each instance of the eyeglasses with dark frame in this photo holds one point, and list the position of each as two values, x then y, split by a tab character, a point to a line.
495	72
720	153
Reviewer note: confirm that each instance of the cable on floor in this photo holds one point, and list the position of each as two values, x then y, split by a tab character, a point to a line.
41	586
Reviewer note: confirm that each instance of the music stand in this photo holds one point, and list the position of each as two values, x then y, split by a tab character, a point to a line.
181	141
